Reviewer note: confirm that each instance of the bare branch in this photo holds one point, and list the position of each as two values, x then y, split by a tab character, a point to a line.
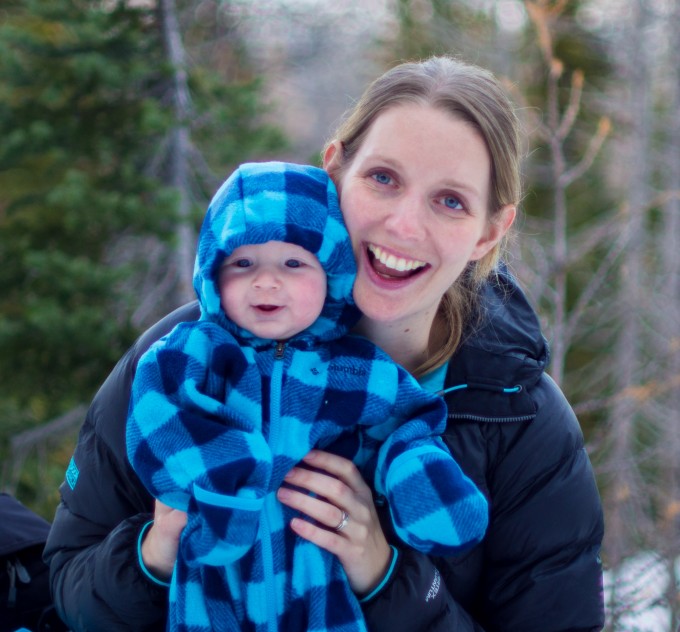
55	428
637	394
596	281
585	241
574	106
538	13
586	162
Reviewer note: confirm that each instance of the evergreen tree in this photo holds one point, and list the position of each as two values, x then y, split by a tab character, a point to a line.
88	205
78	115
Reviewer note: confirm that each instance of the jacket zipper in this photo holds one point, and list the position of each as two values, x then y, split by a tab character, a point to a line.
491	419
274	428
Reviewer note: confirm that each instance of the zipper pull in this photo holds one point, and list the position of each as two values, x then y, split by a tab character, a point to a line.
280	349
12	590
22	572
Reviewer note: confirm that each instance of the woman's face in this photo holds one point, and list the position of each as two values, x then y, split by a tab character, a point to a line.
415	200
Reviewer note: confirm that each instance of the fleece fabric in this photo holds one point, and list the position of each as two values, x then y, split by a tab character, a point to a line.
218	417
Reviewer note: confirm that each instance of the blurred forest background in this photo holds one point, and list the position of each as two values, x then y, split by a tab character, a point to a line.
119	119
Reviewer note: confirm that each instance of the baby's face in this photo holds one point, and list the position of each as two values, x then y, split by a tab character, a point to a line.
274	290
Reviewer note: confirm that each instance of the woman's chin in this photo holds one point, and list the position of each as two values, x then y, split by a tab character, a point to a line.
377	309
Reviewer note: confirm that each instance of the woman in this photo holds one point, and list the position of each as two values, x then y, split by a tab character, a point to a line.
427	168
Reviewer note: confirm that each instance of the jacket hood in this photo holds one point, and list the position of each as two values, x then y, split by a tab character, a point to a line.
504	354
276	201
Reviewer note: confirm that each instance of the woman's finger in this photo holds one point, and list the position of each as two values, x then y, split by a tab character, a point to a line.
361	549
322	484
360	546
338	487
319	510
338	466
335	478
336	494
328	540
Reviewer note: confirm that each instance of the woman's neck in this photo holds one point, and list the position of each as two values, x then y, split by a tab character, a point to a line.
406	345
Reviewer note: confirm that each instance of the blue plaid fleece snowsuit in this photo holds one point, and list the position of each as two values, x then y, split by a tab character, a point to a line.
218	417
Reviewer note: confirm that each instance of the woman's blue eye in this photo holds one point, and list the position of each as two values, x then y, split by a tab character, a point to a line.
382	178
452	202
293	263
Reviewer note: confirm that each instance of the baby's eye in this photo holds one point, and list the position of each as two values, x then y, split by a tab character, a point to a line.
293	263
242	263
382	178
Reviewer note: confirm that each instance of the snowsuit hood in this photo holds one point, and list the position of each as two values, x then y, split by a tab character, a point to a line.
277	201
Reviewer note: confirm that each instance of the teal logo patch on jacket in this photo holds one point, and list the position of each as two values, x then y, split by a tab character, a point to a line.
72	473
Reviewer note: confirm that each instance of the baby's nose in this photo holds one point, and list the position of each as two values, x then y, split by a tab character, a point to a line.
266	280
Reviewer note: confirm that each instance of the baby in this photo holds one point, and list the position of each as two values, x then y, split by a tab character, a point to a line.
222	408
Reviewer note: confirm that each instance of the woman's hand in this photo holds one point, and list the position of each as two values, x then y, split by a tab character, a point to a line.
159	548
360	545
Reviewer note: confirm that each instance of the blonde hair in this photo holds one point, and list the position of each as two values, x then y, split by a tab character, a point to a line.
471	94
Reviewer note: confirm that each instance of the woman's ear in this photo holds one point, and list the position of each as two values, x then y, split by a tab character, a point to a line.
332	158
495	231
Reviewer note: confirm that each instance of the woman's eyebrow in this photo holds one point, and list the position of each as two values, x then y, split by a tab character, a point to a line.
462	187
376	157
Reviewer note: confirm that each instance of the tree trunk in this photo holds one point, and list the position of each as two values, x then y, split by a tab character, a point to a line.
179	149
669	325
625	515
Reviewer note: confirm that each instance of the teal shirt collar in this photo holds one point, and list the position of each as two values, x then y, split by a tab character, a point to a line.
433	381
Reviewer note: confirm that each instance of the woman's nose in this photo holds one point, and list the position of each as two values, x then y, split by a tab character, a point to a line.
406	217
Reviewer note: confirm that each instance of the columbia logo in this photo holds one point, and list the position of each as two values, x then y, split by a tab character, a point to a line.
347	369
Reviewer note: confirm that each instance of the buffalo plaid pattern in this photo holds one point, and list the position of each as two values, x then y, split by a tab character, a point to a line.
218	417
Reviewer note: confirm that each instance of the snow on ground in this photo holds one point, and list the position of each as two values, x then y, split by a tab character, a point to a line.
635	593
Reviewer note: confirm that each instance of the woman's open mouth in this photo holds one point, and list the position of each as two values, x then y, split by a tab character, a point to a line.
390	266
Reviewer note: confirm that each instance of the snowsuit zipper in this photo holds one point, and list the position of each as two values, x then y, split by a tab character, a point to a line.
274	433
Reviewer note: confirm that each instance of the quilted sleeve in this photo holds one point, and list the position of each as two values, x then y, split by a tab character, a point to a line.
194	438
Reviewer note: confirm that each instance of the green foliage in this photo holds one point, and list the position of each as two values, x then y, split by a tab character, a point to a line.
229	125
85	118
234	116
40	473
78	116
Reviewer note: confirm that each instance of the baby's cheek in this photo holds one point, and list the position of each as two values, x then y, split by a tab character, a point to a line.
312	306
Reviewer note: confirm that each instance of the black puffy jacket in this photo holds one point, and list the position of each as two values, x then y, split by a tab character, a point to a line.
511	430
515	435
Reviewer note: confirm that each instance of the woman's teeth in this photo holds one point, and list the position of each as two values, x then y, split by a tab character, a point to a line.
395	263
